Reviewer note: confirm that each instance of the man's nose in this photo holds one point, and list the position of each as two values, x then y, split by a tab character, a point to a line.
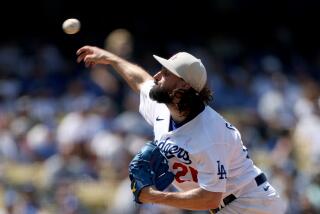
157	76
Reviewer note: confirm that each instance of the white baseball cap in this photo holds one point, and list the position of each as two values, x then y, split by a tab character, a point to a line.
187	67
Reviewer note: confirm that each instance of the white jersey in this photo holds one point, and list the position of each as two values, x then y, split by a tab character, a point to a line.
205	152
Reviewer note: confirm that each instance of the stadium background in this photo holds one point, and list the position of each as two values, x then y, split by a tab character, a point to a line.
67	133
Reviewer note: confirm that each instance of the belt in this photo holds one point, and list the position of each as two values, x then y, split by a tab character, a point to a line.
260	179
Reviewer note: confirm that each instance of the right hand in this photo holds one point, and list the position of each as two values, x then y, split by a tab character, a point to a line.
91	55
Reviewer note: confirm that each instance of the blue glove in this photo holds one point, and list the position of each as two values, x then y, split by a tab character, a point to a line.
149	167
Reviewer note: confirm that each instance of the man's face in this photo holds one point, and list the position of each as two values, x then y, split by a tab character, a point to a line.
161	95
165	83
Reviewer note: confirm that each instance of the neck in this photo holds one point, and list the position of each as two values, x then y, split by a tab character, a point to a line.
176	115
179	117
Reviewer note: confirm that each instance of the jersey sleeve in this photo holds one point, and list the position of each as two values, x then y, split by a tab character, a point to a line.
147	106
213	168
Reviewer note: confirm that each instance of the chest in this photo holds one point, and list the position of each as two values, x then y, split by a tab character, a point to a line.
181	160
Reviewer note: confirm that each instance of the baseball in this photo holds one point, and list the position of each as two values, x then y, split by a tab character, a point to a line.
71	26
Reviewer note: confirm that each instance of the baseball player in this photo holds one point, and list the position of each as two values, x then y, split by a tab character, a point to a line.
211	165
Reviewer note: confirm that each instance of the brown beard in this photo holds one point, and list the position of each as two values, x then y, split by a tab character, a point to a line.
160	95
187	101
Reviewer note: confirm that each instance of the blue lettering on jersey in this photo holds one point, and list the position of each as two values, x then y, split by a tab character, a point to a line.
171	150
229	126
221	171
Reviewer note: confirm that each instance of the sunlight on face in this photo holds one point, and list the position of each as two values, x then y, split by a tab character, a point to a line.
167	80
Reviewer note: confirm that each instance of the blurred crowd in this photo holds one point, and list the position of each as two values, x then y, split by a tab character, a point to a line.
67	133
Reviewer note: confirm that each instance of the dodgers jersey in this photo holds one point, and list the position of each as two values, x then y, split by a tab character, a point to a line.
205	152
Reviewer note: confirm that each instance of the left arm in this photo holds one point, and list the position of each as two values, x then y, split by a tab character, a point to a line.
196	199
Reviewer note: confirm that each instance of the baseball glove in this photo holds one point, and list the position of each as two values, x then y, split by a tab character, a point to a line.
149	167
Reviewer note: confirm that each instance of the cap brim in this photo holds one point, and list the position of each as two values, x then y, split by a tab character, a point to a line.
166	63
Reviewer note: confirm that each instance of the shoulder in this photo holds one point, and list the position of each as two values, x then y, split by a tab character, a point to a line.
213	121
217	129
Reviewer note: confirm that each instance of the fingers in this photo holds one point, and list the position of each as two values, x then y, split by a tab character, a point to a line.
86	58
89	61
83	49
87	54
81	57
89	64
83	52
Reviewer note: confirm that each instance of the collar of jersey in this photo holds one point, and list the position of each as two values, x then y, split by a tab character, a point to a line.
173	125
